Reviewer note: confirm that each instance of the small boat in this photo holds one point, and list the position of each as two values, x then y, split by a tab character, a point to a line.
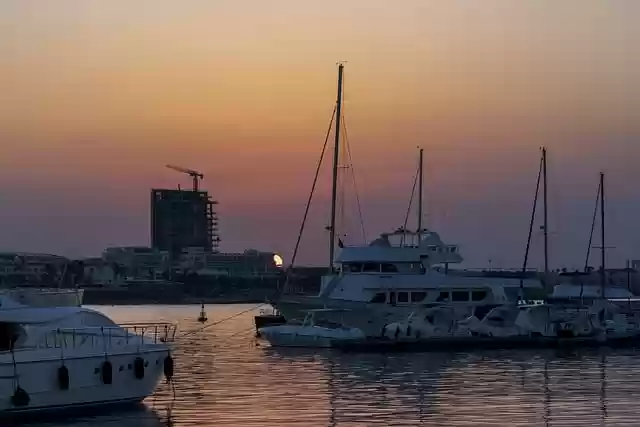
203	316
313	332
266	318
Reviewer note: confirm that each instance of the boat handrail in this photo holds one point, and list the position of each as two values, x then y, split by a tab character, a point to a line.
104	336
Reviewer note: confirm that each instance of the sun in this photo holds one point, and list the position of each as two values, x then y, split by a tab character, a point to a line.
277	260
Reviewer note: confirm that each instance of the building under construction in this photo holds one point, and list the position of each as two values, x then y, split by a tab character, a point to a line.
181	219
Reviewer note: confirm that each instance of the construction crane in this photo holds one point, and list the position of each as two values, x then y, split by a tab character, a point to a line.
194	174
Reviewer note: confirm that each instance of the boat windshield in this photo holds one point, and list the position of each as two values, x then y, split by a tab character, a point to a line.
328	324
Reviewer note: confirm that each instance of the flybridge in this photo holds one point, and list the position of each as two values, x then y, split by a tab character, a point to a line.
403	246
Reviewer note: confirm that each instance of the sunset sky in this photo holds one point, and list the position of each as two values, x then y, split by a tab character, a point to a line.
97	96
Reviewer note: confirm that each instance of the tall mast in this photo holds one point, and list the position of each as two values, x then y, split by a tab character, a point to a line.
602	249
336	159
546	222
420	172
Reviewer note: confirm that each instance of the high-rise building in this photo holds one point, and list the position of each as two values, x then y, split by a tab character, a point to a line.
182	219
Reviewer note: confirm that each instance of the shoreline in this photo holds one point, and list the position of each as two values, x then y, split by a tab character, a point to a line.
185	303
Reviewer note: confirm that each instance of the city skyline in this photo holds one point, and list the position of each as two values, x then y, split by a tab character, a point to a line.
100	96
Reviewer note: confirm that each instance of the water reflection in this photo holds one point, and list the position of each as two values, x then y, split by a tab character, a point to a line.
225	377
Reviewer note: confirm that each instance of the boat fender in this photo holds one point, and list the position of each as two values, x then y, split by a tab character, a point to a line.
106	372
168	367
384	329
397	331
63	378
138	368
408	330
20	397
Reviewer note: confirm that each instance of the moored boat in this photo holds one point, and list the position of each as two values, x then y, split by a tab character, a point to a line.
66	358
312	332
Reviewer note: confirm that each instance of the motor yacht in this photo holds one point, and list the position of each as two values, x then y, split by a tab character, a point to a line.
384	281
70	358
312	332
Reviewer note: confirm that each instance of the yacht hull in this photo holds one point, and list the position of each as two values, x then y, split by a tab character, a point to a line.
368	317
308	336
39	379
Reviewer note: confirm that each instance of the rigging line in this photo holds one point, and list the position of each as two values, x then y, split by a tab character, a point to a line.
189	333
313	187
406	217
353	176
593	225
533	217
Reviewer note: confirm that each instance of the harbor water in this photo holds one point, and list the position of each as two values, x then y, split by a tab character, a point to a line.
226	377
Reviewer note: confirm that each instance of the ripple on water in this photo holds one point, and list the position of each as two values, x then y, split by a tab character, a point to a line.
225	377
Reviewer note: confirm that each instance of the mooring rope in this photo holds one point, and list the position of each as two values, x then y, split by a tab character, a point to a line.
194	331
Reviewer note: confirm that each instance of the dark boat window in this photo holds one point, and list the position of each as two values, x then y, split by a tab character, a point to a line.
418	296
371	268
444	296
478	295
9	334
392	297
353	268
403	296
389	268
459	296
379	298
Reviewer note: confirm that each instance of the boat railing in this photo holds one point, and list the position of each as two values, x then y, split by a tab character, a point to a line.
110	336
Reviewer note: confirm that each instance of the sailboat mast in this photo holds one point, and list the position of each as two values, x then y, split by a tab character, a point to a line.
420	184
546	221
602	249
336	159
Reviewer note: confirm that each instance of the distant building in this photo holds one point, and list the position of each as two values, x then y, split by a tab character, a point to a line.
98	272
137	261
250	263
182	219
33	268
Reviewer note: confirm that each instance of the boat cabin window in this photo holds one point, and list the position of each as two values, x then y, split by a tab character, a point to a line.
370	267
478	295
389	268
352	268
403	296
9	334
379	298
444	296
459	296
418	296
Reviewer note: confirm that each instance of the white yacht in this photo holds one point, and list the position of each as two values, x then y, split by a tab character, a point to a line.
312	332
70	358
383	282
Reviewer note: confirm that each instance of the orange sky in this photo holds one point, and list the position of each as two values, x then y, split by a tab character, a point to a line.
98	96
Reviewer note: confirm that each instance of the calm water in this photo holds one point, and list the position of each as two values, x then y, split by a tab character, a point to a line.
224	377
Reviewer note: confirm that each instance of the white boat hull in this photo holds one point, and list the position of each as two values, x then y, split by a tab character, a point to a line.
308	336
39	378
